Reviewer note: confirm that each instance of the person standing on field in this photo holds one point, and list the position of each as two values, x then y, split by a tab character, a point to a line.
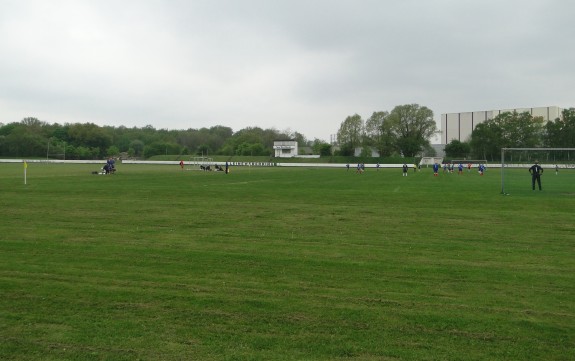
405	170
435	169
536	171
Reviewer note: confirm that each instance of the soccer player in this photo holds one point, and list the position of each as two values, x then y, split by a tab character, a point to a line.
536	171
460	169
405	170
435	169
481	169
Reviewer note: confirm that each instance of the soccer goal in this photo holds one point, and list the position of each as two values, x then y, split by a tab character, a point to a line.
465	162
558	169
201	160
427	161
56	149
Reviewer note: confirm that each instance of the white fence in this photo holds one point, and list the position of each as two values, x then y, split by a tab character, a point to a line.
269	164
53	161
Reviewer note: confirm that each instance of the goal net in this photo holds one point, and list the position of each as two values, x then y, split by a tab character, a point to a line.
427	161
558	170
56	150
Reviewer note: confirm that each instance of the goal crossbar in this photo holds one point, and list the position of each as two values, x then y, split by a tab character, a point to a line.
538	149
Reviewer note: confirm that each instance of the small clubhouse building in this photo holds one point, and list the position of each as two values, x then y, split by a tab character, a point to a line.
285	148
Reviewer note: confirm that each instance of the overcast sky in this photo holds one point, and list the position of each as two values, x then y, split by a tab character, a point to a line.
302	65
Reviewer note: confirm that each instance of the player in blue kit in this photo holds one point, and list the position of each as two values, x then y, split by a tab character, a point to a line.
435	169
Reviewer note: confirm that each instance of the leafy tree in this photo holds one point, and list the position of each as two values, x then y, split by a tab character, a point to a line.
8	128
22	142
34	125
161	148
5	142
322	148
350	133
58	148
81	152
204	149
227	149
345	150
258	149
91	136
457	149
506	130
365	152
522	129
113	151
412	126
252	149
218	136
253	135
59	132
378	133
561	132
300	139
137	147
486	140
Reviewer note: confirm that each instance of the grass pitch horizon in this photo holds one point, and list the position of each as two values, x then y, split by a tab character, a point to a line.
284	264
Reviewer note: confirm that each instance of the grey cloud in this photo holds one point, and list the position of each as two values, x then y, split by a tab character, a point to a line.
303	65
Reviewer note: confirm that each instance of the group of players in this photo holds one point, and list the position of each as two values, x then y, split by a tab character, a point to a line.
536	170
449	167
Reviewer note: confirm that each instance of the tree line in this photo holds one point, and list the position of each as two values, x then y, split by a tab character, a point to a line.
406	130
515	130
34	138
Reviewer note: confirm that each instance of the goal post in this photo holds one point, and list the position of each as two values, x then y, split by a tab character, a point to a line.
427	161
551	159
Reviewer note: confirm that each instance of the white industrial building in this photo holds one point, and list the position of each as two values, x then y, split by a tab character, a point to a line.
460	125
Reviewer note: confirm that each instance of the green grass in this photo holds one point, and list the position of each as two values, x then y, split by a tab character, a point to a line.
155	263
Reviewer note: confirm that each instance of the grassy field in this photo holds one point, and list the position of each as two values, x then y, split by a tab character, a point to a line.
154	263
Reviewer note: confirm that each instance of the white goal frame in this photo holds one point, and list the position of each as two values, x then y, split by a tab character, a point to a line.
503	150
430	160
